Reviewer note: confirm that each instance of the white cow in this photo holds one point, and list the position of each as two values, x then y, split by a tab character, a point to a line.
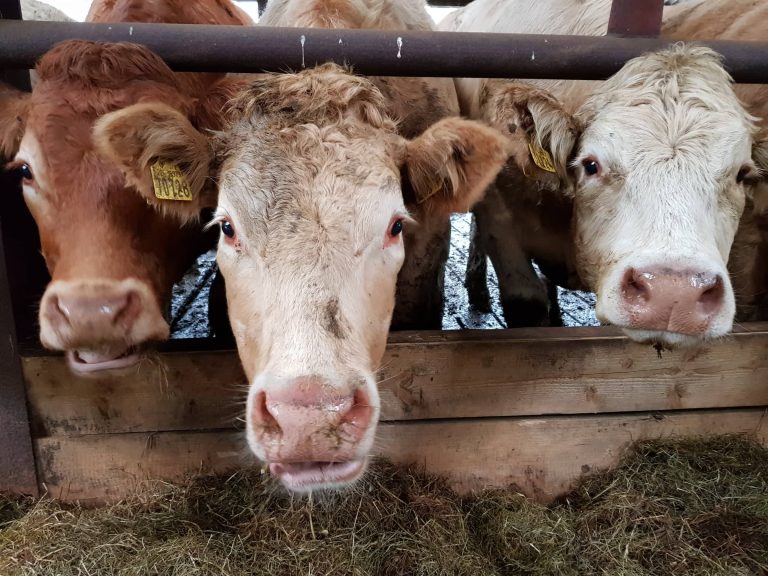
648	176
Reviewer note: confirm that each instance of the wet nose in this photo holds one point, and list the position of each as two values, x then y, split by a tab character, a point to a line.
680	301
309	418
77	315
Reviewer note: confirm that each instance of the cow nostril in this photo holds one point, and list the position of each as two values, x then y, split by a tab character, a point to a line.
127	311
711	298
59	309
635	286
359	414
261	414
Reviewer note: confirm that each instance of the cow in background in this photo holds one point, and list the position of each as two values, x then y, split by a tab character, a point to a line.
319	187
632	188
112	258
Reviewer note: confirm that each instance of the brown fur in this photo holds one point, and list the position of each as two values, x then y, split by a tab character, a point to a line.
12	120
93	226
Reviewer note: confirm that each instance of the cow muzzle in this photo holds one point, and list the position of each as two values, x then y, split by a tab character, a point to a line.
100	324
672	306
313	435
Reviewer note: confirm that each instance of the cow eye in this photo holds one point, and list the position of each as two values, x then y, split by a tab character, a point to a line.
227	229
25	171
743	173
591	166
397	227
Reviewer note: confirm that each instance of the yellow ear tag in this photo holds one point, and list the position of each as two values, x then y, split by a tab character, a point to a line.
169	183
541	157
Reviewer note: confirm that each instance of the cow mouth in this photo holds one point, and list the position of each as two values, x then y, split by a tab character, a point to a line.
308	476
88	361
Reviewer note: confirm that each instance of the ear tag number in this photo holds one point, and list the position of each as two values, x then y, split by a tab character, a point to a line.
169	183
541	157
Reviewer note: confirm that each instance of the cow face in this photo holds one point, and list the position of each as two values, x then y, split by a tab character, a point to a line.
113	259
657	168
314	192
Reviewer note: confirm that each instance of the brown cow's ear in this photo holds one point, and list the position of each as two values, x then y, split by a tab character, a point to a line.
13	117
542	134
151	135
450	165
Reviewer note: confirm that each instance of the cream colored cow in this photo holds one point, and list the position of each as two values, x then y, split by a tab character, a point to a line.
650	170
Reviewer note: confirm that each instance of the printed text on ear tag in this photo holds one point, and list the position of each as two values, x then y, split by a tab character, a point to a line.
169	183
541	157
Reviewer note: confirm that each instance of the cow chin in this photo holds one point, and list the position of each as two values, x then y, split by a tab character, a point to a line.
89	362
667	340
313	432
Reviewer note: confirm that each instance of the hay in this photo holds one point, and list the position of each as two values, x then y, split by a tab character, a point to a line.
693	507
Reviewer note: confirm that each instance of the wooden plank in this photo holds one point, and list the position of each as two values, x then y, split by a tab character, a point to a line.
424	376
541	456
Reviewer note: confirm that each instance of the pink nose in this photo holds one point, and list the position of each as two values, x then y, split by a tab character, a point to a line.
103	313
681	301
309	419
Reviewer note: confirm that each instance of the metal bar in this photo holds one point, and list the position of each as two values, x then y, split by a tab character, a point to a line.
19	248
635	17
254	49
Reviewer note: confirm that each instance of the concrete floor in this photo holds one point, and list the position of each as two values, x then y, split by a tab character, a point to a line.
189	314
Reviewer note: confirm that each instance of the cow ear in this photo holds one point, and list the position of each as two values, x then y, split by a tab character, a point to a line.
154	139
450	165
13	117
542	134
759	189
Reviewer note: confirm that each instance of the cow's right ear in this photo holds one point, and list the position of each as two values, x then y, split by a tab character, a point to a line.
143	137
543	134
13	118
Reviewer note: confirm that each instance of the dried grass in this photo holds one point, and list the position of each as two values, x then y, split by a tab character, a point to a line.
690	507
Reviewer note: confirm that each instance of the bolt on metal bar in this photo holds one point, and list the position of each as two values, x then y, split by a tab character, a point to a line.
375	52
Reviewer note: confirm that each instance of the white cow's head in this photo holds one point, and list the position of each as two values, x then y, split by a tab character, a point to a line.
656	160
315	186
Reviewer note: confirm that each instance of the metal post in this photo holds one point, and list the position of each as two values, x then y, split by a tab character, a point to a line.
635	17
20	262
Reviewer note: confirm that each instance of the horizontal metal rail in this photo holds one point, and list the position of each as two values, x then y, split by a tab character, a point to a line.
253	49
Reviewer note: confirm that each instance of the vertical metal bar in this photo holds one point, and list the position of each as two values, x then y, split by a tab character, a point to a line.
19	261
635	17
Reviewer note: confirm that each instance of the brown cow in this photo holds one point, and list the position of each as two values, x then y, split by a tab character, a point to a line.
648	177
112	258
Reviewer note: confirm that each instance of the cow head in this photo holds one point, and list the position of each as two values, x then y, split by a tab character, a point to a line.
656	161
112	258
315	186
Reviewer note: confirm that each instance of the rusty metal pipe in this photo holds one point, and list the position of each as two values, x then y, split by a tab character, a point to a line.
451	54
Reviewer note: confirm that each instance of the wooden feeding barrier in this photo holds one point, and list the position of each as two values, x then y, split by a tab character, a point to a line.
532	407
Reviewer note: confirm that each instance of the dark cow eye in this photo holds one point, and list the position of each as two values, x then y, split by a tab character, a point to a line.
397	227
25	171
743	173
227	229
591	166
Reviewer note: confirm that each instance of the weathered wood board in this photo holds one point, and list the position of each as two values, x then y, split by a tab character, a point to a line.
427	375
533	408
542	457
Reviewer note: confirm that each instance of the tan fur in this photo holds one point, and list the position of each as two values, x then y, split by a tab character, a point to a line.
447	164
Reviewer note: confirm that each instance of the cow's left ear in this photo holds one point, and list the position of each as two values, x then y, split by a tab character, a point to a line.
450	165
161	155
